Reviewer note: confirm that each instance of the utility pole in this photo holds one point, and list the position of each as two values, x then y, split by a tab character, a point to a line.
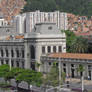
82	82
59	72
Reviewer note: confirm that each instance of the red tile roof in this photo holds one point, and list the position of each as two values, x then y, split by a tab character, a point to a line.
71	55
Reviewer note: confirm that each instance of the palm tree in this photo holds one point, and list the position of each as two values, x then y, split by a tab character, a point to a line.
81	70
79	45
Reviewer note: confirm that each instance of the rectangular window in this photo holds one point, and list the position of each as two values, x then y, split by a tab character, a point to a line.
7	61
43	49
72	65
64	64
54	48
60	49
22	53
49	49
2	62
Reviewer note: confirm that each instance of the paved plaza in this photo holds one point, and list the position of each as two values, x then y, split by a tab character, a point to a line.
76	83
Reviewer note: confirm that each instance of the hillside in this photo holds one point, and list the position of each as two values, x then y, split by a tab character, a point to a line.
78	7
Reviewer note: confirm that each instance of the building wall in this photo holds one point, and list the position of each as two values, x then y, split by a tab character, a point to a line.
9	54
68	66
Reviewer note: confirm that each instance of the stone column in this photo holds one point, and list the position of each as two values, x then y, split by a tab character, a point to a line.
27	55
68	69
46	50
4	55
9	49
75	72
51	49
86	71
38	53
57	49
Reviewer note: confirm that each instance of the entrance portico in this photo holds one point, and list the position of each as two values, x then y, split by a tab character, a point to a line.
70	63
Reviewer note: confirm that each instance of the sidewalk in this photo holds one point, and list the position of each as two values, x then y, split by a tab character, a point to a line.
74	80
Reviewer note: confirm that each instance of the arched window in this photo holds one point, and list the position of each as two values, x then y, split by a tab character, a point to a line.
43	49
23	64
12	63
2	53
22	53
7	54
17	53
12	53
32	52
54	48
49	49
2	62
7	61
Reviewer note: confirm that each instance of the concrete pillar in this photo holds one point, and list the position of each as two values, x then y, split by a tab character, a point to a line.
27	55
14	49
51	49
9	50
75	72
68	67
86	71
4	53
46	50
57	49
38	53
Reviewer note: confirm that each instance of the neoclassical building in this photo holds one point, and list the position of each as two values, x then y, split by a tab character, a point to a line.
23	50
69	63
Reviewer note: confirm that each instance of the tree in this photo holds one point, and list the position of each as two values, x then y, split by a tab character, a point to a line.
70	37
10	8
4	69
79	45
31	77
84	7
52	78
80	69
13	73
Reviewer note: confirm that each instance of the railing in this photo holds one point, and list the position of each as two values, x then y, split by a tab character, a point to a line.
19	40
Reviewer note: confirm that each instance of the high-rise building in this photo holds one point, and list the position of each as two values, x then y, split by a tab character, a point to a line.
25	22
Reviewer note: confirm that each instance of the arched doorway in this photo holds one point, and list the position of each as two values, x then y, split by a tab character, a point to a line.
32	52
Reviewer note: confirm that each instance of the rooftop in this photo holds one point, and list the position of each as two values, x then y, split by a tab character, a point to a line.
46	28
71	55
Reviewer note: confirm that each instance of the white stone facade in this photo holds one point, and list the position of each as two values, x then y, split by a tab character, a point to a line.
68	65
26	21
44	39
